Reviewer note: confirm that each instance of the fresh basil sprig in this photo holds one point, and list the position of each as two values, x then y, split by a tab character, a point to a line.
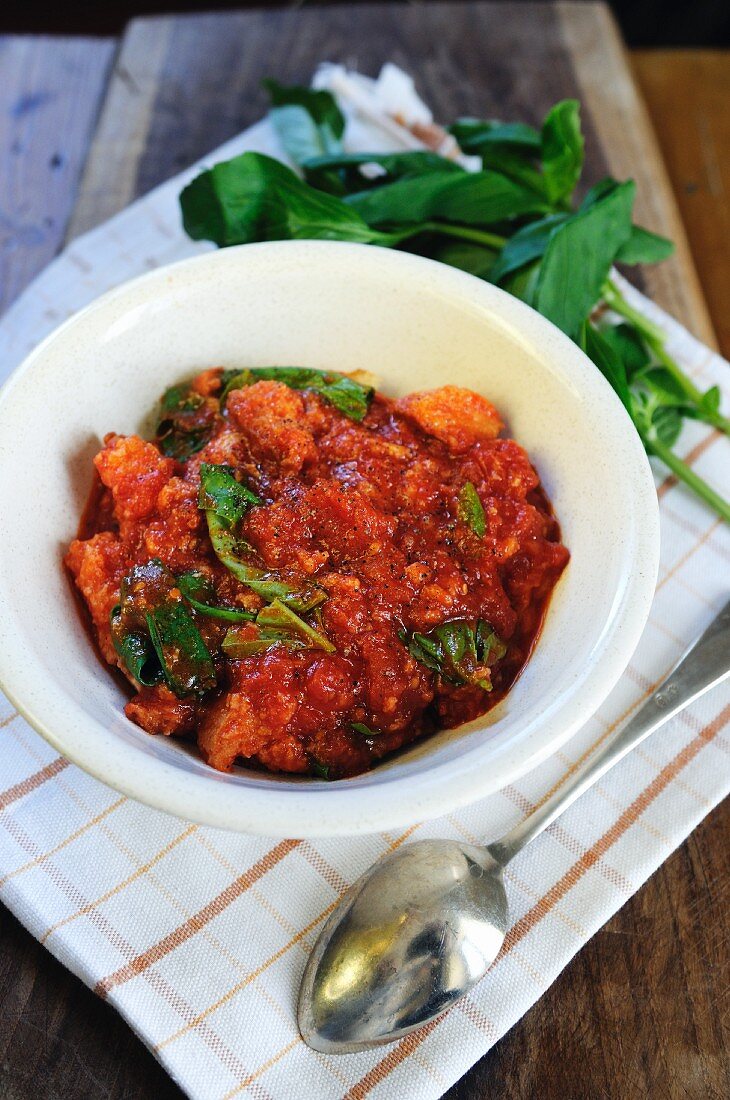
348	396
458	651
277	625
514	223
225	502
156	636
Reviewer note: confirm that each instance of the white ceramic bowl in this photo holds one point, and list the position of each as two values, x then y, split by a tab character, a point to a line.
417	324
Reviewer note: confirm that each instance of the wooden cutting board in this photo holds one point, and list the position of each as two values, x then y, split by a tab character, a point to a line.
182	85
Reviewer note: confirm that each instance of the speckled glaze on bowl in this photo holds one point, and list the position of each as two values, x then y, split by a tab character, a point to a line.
417	324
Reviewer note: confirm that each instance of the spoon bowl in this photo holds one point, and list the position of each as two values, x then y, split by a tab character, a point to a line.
421	927
407	940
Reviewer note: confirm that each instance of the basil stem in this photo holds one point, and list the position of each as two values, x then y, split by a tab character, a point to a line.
655	340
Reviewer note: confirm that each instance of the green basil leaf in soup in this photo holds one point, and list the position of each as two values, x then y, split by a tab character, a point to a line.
197	588
277	625
222	494
363	730
156	635
181	650
185	424
459	651
471	510
225	501
349	397
136	651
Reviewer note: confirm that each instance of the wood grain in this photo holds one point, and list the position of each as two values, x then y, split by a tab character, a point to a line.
641	1011
688	94
623	128
50	92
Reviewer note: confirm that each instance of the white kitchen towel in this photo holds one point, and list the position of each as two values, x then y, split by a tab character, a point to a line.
199	937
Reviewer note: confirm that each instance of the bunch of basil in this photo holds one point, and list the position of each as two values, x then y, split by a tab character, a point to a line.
513	223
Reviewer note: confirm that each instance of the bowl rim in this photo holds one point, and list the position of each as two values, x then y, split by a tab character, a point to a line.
319	808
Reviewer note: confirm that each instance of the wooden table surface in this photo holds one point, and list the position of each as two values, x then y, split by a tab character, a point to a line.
642	1010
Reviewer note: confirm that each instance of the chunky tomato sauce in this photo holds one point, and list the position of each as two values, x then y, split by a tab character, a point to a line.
416	519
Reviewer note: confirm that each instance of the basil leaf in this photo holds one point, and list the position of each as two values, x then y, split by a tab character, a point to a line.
277	624
225	502
562	150
527	244
629	346
363	730
471	510
320	769
459	651
342	173
488	643
198	591
609	362
234	380
153	630
279	620
300	135
185	424
523	282
599	191
579	256
222	494
711	400
667	424
320	105
474	258
511	148
136	651
256	198
184	656
348	396
471	198
473	134
644	247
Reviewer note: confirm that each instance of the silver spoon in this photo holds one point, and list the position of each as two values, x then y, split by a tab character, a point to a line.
423	926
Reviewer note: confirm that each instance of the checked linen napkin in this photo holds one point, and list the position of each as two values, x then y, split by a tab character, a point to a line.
199	937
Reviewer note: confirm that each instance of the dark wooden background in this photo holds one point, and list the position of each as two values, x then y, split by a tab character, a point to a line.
642	22
642	1011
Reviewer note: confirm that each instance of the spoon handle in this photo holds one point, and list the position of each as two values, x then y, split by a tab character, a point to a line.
703	666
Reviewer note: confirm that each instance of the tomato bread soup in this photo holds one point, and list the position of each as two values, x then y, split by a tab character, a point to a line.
306	575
